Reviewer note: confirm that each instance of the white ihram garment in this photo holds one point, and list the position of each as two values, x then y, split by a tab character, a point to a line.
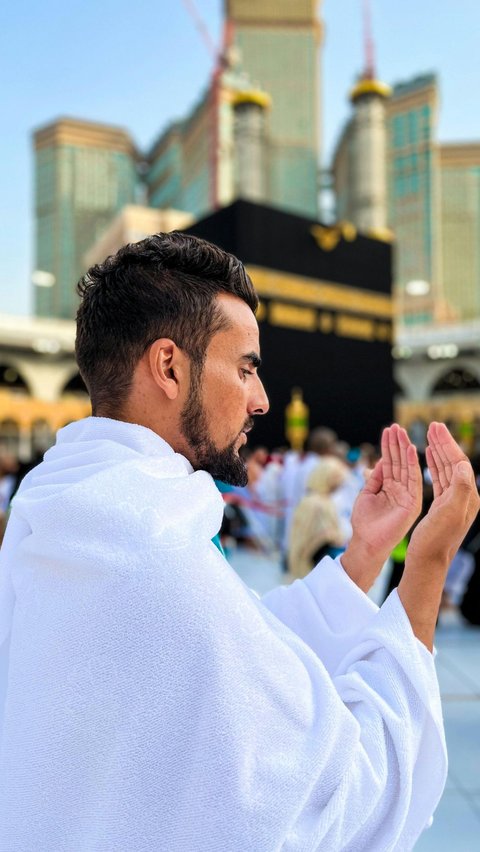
153	703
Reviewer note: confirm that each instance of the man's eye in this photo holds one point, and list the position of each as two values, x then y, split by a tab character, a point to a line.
246	372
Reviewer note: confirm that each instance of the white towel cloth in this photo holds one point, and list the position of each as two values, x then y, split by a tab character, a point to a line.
151	703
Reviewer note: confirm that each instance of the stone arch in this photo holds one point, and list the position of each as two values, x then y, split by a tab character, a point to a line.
11	376
458	378
75	384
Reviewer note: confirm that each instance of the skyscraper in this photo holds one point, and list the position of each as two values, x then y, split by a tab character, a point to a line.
433	193
84	174
460	228
409	157
254	132
278	43
414	197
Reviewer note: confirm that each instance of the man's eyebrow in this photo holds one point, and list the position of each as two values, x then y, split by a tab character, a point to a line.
253	359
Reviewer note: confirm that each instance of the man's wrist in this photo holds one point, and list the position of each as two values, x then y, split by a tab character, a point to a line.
361	563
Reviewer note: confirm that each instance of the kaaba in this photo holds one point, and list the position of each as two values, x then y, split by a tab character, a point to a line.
325	317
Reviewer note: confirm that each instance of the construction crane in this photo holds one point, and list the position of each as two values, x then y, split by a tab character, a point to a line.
202	28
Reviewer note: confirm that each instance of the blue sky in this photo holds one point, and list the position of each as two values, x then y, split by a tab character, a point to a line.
140	65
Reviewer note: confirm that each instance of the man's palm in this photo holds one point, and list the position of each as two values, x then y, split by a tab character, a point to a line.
456	501
391	501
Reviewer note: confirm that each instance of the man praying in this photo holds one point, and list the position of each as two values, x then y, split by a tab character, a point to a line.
149	701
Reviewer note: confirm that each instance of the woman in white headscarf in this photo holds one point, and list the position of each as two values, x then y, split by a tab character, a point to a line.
316	530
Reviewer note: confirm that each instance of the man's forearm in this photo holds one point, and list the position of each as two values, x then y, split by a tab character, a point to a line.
420	591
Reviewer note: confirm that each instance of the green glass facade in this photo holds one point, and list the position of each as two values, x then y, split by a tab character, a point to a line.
164	175
433	196
460	192
278	47
179	173
79	187
413	188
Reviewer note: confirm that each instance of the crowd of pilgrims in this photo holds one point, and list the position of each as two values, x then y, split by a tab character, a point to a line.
297	506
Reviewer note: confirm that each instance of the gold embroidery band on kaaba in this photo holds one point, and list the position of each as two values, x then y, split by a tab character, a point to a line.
320	294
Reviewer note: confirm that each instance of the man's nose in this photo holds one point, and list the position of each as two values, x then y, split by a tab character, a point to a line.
259	403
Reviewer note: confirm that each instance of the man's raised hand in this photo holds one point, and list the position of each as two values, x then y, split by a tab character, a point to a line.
385	509
437	537
455	498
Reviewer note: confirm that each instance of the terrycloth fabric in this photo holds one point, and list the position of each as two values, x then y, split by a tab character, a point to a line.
153	704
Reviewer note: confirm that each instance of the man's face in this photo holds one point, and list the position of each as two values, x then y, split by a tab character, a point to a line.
225	396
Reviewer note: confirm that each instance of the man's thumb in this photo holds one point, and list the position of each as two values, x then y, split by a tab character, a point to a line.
462	474
374	478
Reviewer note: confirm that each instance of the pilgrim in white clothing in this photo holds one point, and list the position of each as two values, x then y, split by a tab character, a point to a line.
151	702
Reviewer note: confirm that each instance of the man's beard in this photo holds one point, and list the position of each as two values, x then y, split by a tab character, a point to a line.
225	464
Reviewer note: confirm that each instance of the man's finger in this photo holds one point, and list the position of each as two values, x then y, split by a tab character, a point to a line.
414	474
375	480
395	452
439	448
432	466
437	431
404	444
448	448
386	455
442	475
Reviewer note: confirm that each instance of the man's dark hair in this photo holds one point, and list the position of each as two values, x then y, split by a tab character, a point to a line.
163	286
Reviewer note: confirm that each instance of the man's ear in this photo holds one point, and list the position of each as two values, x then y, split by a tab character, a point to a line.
165	360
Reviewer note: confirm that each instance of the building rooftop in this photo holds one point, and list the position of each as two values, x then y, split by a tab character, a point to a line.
407	86
47	336
78	131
